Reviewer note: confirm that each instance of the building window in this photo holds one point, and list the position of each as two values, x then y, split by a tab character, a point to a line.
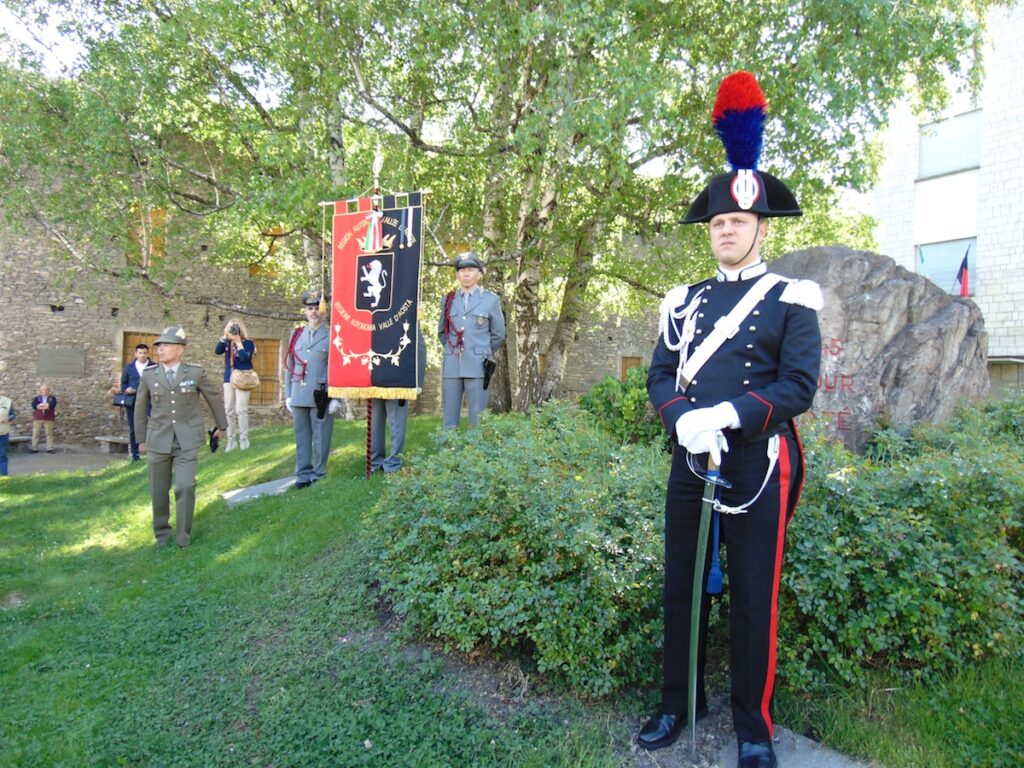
625	364
941	262
950	145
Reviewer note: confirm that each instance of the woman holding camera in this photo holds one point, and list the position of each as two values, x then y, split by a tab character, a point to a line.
238	350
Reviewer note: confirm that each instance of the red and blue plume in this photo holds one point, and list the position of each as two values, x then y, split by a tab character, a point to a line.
738	118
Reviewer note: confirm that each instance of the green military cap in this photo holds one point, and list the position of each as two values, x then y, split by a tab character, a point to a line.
173	334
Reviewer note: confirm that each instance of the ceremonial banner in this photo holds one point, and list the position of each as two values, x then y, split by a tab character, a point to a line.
375	291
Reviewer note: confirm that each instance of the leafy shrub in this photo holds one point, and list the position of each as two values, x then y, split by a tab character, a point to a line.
995	430
904	559
623	408
540	536
536	536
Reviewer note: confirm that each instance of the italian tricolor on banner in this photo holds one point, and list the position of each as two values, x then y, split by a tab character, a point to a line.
375	292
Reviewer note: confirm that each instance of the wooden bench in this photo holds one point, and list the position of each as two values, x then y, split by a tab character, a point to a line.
112	443
19	443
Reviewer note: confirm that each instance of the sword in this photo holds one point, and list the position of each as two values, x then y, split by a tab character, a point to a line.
711	483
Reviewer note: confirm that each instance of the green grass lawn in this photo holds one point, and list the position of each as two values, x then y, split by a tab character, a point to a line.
260	644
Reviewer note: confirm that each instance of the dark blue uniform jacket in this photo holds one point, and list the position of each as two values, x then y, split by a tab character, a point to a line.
768	371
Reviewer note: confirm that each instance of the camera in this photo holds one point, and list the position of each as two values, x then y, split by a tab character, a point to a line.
234	329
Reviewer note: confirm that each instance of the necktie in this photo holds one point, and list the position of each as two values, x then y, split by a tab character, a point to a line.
171	377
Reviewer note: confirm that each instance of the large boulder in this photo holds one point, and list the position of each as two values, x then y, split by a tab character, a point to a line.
895	346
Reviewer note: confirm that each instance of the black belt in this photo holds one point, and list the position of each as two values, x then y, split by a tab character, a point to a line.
782	429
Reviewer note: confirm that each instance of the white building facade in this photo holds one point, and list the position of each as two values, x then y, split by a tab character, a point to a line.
953	189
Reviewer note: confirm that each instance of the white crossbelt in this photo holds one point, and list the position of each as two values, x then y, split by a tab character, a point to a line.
725	328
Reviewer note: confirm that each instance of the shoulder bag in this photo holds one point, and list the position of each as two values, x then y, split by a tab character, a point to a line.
245	381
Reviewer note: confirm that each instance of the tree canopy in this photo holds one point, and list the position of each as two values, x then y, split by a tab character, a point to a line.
562	140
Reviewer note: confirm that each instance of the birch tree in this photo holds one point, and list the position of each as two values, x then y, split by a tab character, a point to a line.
562	140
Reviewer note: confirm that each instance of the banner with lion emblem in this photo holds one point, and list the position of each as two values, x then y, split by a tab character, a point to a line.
376	250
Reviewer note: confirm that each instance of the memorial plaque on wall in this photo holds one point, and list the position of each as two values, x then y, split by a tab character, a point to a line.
60	361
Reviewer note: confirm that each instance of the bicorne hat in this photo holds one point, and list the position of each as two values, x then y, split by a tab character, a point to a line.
738	118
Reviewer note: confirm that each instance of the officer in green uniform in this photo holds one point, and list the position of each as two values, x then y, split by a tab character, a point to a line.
174	432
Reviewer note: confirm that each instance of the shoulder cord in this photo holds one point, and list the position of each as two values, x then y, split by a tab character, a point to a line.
684	335
459	343
725	509
725	327
291	356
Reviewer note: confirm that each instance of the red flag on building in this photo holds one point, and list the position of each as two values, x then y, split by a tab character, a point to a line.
963	276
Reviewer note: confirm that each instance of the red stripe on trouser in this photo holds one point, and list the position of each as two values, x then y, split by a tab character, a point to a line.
785	478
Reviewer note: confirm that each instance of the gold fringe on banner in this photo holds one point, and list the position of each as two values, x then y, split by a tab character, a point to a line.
365	393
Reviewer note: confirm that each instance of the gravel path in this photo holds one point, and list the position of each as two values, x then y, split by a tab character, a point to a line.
65	458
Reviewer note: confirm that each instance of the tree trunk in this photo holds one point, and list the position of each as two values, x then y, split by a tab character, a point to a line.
526	297
527	322
495	193
336	160
572	310
500	390
534	226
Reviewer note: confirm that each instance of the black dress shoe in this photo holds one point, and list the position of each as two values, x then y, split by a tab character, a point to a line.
302	484
663	729
757	754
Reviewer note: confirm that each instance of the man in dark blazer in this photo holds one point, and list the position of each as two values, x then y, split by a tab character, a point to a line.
130	378
471	329
174	432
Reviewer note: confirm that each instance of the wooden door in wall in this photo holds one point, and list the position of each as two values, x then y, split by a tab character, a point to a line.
626	363
267	364
131	340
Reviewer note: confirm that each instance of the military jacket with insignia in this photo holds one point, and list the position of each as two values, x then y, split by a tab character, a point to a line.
768	370
177	413
306	365
475	331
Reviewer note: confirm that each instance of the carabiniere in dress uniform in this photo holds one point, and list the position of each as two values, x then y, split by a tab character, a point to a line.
737	359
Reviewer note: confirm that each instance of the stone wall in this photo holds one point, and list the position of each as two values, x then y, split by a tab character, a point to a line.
600	349
66	327
601	346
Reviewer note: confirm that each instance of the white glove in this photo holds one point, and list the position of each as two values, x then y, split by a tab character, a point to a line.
334	408
288	404
721	416
709	442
